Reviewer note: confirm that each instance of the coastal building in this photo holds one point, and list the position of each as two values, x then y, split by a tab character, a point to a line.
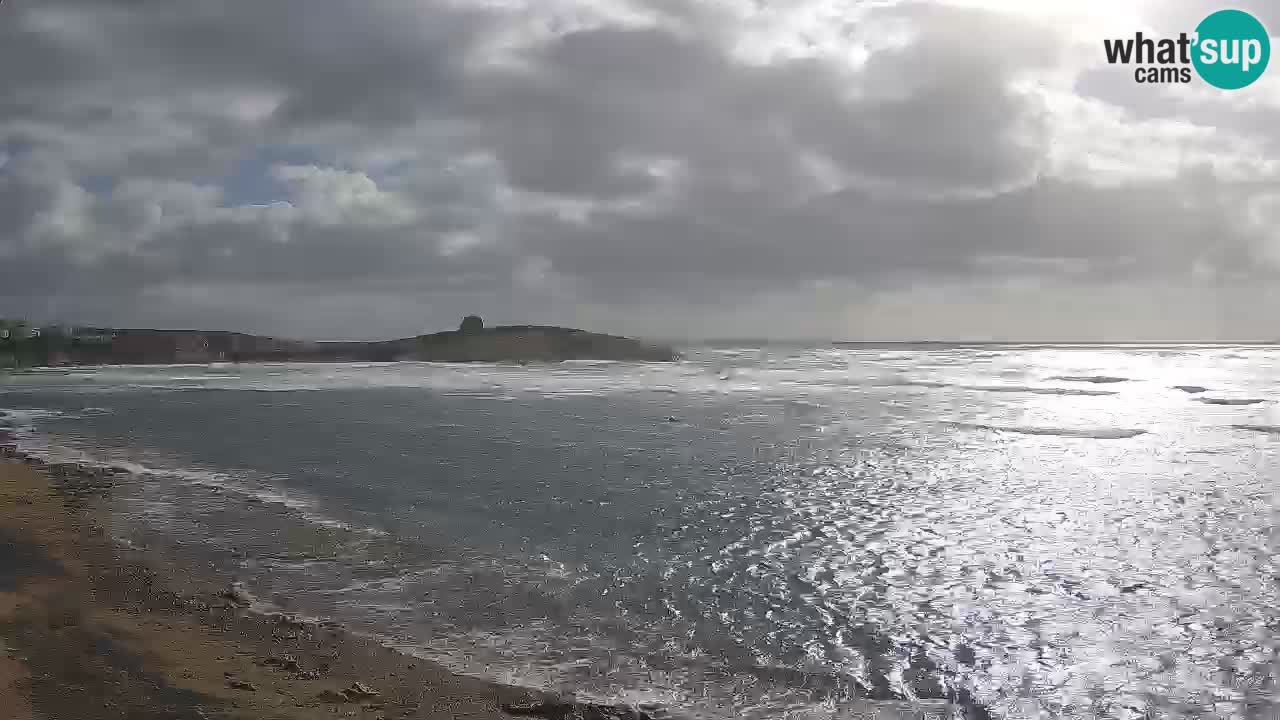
92	335
185	346
18	330
16	344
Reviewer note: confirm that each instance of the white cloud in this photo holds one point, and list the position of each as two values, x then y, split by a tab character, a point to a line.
1096	142
584	158
332	196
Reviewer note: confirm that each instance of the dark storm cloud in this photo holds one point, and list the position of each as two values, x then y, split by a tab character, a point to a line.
933	114
535	159
1156	229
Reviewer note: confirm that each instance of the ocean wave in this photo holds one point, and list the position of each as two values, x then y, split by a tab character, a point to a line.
1030	389
45	450
393	583
1267	429
20	424
921	383
1099	379
1229	401
1040	390
796	402
304	508
1191	389
26	416
1090	433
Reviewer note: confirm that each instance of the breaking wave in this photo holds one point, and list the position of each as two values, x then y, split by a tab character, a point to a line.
1091	433
1229	401
1267	429
1098	379
21	425
1039	390
1030	389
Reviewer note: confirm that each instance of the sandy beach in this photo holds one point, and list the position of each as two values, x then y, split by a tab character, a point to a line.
89	629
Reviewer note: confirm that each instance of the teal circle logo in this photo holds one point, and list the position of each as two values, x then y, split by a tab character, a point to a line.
1231	50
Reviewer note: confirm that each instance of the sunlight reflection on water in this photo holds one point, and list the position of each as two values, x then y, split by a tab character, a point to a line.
761	533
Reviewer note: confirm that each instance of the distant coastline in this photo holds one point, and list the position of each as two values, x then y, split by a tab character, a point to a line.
1054	343
25	345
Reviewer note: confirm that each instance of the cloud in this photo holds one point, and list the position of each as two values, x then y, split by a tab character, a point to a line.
698	167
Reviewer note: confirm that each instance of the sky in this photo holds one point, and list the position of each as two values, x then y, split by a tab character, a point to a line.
842	169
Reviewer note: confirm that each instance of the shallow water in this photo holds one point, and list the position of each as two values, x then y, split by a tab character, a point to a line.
748	533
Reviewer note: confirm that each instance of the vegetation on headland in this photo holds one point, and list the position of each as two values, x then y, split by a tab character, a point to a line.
472	342
25	345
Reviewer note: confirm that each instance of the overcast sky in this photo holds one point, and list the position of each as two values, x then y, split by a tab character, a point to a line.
873	169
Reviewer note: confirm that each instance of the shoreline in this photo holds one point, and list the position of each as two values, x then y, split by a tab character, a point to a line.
92	629
201	647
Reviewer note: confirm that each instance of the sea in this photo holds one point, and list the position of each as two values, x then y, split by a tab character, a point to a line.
751	532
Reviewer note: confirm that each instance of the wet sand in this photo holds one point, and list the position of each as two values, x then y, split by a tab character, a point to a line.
89	629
